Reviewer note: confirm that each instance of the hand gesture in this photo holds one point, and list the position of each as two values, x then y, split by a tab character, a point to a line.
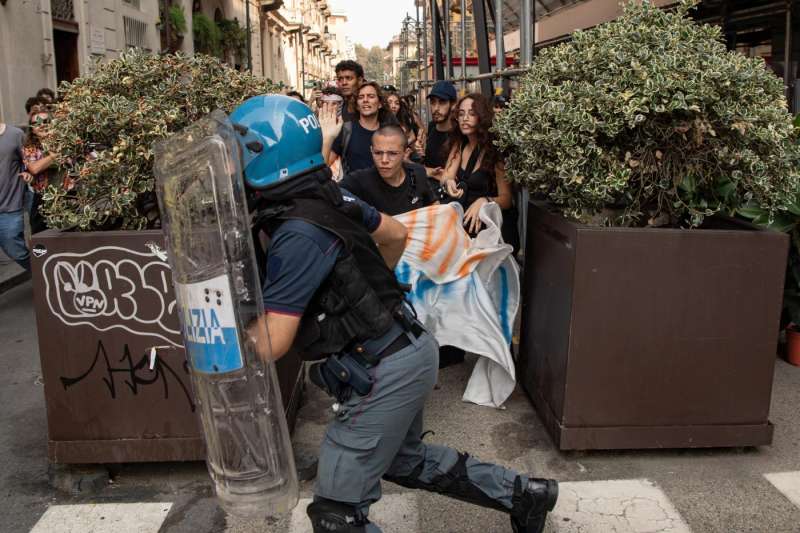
434	172
472	222
451	188
330	121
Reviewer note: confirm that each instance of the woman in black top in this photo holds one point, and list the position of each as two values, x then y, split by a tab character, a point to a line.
475	174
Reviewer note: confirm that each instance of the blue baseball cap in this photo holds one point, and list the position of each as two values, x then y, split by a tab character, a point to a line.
444	90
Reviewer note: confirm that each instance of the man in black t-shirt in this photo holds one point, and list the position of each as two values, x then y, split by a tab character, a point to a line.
393	186
441	100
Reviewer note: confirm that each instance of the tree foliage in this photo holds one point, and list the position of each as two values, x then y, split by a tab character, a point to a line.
104	127
372	60
649	119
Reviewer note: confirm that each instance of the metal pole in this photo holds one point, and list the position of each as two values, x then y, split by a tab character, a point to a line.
499	40
787	53
482	38
448	41
463	44
419	44
302	61
438	68
166	23
525	30
249	36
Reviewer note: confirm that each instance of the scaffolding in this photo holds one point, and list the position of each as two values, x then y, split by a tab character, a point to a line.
747	25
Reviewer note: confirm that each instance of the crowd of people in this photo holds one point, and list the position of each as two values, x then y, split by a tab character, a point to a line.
24	175
380	151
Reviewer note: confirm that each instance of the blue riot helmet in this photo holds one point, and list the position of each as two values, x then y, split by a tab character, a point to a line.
280	138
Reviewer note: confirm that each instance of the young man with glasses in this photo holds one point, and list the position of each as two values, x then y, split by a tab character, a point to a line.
394	185
354	139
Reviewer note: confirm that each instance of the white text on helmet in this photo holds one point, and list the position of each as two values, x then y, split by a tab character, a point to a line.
309	122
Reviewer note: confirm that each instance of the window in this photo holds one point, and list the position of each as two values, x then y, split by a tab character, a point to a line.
134	3
62	10
135	32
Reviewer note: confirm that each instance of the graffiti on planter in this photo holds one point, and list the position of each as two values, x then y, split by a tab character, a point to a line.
114	288
134	374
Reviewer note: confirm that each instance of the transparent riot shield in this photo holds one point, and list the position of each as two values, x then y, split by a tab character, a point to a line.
206	224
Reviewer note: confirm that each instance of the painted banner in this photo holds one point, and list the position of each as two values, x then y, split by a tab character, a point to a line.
466	291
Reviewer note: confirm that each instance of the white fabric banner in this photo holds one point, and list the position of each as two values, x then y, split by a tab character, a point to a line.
466	291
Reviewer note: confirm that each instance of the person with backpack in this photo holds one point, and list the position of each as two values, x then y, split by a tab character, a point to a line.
352	145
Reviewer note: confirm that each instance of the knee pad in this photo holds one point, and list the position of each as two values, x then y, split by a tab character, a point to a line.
454	483
328	516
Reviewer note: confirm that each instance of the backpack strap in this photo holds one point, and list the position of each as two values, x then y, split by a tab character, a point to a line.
347	134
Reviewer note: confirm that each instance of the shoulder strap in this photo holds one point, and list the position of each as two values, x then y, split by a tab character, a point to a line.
473	160
416	182
347	134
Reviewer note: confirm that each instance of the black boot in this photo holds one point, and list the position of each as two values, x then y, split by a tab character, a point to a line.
532	503
328	516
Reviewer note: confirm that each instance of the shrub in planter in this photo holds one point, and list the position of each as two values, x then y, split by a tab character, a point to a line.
105	124
650	120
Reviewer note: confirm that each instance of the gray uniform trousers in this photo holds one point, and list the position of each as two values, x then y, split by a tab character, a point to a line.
381	434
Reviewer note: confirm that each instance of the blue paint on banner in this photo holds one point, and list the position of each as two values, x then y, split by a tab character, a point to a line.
505	323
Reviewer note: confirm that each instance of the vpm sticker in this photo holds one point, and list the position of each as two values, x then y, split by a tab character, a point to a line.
209	326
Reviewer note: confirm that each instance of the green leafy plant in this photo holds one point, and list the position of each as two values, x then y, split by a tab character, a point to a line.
233	38
650	120
105	124
177	27
207	37
177	19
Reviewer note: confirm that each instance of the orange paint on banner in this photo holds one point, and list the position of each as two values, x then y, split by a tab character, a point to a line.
444	236
427	251
443	268
464	270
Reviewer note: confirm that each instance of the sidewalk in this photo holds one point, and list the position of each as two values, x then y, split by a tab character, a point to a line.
672	491
11	274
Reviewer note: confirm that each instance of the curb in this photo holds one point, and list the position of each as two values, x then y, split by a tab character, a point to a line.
13	281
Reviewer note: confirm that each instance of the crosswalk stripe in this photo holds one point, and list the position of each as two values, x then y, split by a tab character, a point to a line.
395	513
618	506
788	483
103	518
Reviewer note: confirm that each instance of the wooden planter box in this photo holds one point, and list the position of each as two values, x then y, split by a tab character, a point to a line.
103	300
650	338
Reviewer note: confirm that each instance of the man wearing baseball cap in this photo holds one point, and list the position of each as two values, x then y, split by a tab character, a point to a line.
441	100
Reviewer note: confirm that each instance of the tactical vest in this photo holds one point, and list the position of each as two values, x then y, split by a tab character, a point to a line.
357	300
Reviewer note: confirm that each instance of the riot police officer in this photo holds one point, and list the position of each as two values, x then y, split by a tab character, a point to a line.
330	294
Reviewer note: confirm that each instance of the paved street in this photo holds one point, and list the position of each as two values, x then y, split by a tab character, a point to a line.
709	491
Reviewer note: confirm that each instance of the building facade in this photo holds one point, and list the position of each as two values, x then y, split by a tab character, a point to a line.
45	42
